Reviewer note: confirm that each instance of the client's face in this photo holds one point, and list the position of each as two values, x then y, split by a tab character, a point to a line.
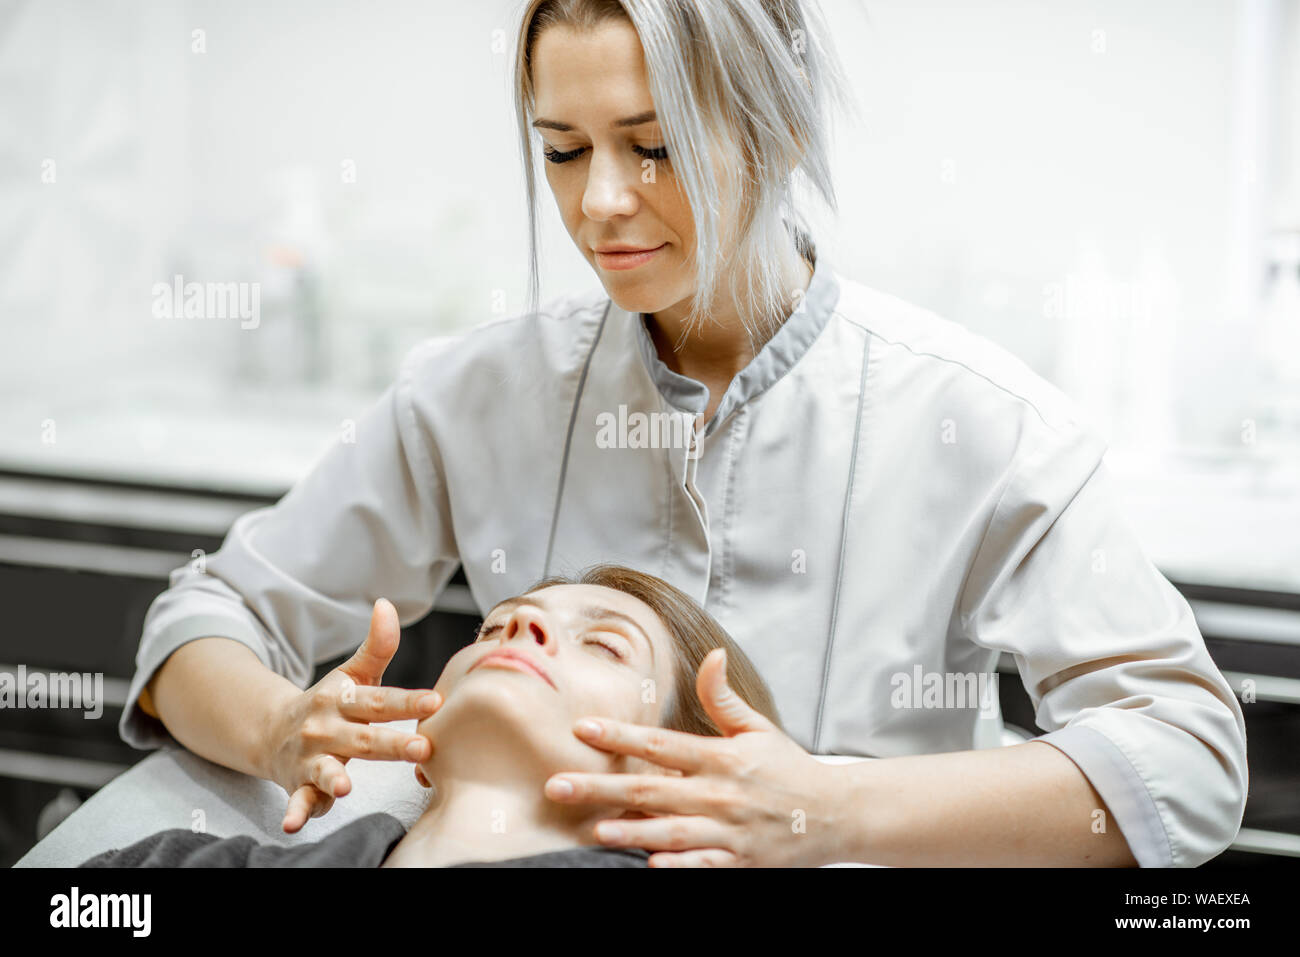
541	662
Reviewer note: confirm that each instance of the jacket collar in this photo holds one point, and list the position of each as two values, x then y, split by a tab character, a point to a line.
773	361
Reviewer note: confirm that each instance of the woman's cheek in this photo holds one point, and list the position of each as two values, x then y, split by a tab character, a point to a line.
630	699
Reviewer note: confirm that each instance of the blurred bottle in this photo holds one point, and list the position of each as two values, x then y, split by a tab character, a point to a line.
288	346
1279	386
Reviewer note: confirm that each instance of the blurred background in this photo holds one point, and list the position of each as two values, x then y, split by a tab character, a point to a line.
1109	189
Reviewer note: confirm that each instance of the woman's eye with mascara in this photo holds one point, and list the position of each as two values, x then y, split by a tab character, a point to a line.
658	153
555	156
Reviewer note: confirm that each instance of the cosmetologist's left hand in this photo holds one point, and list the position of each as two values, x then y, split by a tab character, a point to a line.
750	798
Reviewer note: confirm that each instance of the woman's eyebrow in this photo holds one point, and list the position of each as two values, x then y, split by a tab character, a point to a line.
636	120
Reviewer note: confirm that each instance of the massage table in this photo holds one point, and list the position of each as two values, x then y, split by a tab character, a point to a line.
175	788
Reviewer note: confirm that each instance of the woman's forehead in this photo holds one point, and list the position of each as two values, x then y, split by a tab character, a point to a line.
597	597
580	68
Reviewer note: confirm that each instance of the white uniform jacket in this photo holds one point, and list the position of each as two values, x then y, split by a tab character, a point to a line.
882	503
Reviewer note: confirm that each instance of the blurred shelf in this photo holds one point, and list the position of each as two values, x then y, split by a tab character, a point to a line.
244	441
1216	518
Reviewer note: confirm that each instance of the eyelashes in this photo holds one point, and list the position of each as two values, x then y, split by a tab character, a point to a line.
555	156
610	648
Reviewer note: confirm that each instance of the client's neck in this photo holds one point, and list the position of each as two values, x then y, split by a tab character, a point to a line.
478	819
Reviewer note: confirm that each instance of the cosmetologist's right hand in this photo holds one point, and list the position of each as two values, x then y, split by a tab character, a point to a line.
318	731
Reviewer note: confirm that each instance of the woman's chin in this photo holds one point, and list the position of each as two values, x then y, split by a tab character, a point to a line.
501	721
628	299
491	699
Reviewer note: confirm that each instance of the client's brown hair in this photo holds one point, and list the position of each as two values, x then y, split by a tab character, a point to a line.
695	633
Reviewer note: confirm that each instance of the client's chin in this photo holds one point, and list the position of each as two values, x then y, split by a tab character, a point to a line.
501	725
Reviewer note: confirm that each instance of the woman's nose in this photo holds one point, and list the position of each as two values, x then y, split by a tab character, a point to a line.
527	625
610	189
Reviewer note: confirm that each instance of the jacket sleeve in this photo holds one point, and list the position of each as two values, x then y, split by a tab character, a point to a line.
1109	651
296	581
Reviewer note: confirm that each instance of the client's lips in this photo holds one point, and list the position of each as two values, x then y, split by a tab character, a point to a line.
508	657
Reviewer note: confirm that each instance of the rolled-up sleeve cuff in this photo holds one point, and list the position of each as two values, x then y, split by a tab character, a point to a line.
1129	802
139	729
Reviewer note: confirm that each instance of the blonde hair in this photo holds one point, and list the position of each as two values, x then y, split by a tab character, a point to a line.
745	84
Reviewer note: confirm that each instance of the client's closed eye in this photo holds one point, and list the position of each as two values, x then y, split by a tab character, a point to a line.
607	646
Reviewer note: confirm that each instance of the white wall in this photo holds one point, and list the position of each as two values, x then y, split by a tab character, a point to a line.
1057	176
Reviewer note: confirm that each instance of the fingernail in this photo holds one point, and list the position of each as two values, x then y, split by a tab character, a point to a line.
414	750
559	788
429	702
588	728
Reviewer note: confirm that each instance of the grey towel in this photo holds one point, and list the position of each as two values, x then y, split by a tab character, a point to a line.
365	842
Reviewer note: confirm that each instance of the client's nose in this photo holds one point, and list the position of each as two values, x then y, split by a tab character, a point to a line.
526	624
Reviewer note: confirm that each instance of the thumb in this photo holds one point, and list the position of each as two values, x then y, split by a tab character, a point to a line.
367	664
728	710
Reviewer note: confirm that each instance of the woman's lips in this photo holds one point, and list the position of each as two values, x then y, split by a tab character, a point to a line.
627	260
513	662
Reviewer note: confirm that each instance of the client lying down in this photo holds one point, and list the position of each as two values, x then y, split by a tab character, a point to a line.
614	643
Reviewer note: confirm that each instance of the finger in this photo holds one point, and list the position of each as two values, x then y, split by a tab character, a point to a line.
389	704
705	857
367	664
323	804
671	833
301	803
648	793
729	711
328	774
670	749
374	743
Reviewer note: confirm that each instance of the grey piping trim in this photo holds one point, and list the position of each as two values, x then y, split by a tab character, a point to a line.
844	539
740	423
568	440
681	391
